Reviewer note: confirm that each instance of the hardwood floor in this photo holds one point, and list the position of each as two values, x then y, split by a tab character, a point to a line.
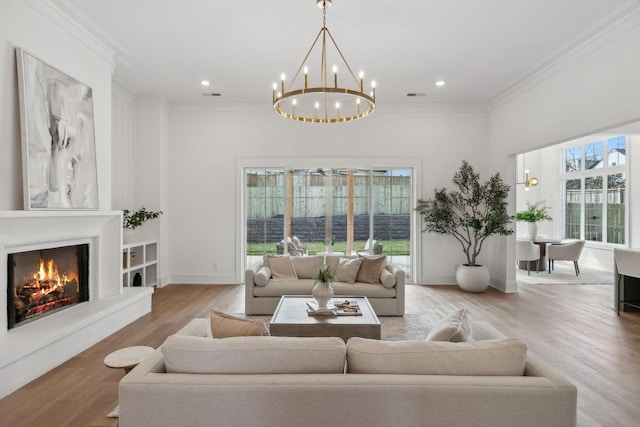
573	327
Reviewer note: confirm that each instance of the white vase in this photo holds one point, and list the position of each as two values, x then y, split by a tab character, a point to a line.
322	294
126	235
532	229
472	278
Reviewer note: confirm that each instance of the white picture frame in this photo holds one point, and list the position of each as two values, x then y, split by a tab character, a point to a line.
58	138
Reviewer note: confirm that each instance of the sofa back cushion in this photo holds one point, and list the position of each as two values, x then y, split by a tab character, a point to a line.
253	355
492	357
306	267
280	266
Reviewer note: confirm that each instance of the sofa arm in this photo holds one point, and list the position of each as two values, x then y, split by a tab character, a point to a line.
400	277
249	284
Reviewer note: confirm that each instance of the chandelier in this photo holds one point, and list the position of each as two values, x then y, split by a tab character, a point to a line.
527	181
324	103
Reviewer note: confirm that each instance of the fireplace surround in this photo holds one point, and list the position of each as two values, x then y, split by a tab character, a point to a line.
35	347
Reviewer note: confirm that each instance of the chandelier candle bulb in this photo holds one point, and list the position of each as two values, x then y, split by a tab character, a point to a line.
294	102
335	76
361	75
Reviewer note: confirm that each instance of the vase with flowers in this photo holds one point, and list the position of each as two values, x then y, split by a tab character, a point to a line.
322	291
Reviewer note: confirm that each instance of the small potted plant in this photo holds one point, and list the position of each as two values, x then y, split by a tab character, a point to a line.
470	214
133	220
535	213
322	291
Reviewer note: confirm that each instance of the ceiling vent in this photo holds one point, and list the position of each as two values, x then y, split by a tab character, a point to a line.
212	94
416	94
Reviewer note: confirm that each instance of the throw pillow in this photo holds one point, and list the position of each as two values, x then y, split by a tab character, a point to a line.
387	278
225	325
281	268
453	327
347	269
370	269
333	260
262	276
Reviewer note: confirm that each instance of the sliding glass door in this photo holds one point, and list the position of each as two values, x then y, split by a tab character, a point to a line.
306	211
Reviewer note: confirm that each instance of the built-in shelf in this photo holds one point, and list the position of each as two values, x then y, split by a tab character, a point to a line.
140	264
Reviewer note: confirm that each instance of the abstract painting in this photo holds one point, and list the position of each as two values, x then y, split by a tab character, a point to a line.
58	139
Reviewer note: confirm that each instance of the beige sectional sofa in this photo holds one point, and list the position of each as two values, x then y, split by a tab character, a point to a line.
263	287
283	381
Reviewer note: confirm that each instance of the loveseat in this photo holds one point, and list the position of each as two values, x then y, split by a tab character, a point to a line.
268	280
286	381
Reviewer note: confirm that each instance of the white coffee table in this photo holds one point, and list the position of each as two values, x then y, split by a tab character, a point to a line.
292	320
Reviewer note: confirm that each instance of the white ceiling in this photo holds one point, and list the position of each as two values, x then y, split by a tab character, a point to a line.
479	47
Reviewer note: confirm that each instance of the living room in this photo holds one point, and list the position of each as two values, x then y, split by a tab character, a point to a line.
184	154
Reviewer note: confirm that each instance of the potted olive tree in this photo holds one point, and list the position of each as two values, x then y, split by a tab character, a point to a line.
534	214
470	214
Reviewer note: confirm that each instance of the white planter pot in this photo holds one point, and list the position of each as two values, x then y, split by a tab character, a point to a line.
322	294
472	278
127	234
532	229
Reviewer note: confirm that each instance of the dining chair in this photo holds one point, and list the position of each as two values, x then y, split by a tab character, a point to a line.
528	251
569	251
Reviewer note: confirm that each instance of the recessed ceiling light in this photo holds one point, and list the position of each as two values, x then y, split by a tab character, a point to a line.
205	83
440	83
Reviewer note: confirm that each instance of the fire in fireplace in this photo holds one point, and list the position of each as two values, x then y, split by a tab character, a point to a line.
46	280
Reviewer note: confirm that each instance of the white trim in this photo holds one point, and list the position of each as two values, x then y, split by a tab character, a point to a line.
58	13
609	28
415	164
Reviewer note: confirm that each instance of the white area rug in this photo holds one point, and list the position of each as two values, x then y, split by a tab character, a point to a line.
564	273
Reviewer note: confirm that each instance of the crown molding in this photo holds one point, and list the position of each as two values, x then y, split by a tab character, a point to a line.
66	16
604	31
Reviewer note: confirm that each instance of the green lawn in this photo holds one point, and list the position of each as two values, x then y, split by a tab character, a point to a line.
389	247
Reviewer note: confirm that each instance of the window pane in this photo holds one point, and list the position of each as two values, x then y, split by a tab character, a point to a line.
616	151
392	214
572	208
573	159
264	206
593	155
615	208
308	209
593	208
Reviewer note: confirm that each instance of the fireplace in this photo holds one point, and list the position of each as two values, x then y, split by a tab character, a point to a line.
44	281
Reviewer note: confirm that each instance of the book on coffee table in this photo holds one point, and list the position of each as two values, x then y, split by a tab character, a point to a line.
344	308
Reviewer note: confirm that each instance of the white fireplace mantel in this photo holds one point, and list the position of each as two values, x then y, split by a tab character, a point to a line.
28	351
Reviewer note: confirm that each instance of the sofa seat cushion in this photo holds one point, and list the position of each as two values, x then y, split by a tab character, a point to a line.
501	357
304	286
253	355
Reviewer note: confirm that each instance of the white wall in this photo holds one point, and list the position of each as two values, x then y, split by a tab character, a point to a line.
206	143
594	89
40	30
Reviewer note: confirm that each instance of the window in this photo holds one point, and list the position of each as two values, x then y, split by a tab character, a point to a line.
594	189
337	209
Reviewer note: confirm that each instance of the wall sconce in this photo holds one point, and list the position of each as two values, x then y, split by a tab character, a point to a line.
527	182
